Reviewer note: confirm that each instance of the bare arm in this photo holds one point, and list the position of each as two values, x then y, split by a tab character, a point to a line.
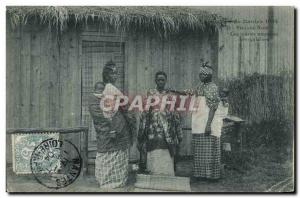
212	101
211	115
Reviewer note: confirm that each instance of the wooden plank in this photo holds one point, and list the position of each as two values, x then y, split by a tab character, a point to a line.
262	56
76	83
156	52
44	79
140	65
84	139
151	69
74	78
45	130
97	34
165	60
130	74
214	43
35	79
235	54
96	65
132	66
176	64
25	70
86	70
16	73
271	40
188	60
54	83
245	58
66	99
228	49
125	59
220	73
199	48
21	82
183	63
146	74
65	91
10	89
9	80
167	63
256	54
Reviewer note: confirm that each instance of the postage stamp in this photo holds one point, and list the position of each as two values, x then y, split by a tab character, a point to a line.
22	147
56	163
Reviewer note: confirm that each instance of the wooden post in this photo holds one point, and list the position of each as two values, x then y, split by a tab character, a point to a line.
86	143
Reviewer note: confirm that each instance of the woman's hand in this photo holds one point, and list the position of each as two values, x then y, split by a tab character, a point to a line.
188	92
207	129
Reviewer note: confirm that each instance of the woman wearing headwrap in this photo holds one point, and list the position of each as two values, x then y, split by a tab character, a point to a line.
205	142
113	131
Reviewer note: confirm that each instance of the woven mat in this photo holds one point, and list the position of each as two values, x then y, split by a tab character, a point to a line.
159	183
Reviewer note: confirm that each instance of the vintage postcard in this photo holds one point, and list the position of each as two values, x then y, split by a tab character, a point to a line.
150	99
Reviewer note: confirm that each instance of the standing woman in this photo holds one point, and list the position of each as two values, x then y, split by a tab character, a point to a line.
113	134
206	146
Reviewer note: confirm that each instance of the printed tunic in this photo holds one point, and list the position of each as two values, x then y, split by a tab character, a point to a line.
159	129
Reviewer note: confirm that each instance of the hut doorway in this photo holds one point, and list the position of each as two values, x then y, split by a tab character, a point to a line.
95	53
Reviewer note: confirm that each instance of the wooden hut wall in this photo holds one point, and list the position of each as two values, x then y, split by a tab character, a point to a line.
44	73
271	57
43	84
253	56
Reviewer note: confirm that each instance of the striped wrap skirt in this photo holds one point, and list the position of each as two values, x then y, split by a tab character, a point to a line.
111	169
207	156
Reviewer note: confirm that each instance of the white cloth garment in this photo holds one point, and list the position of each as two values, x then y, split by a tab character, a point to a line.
217	123
200	117
160	162
110	90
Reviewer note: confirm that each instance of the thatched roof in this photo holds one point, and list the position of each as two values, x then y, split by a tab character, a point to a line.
161	20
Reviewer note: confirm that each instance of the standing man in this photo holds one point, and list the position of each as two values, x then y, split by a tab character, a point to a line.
159	133
113	134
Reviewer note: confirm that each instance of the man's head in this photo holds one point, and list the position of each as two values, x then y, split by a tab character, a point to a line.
110	72
160	79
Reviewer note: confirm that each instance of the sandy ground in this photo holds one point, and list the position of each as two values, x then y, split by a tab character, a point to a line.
267	176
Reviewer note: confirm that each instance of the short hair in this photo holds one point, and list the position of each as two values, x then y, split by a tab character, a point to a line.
161	73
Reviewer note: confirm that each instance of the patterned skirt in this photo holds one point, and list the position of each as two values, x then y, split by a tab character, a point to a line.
111	169
207	156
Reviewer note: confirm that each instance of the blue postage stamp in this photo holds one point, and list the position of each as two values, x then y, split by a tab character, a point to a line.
22	147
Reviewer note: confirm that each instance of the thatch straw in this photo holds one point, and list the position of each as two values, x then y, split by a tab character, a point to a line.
161	20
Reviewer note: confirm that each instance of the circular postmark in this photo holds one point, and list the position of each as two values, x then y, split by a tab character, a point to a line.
55	163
